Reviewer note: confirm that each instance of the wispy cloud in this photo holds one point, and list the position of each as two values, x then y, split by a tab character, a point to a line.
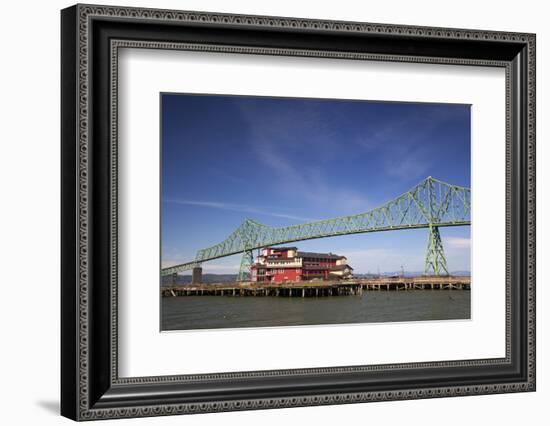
457	252
239	208
216	268
279	144
310	184
166	263
459	243
383	259
411	259
405	154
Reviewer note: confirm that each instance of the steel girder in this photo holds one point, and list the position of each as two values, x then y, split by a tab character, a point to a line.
431	203
247	259
436	263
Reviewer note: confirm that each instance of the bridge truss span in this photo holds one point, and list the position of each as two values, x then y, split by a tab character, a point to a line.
430	204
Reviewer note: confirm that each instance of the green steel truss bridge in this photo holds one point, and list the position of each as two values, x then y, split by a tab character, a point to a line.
430	204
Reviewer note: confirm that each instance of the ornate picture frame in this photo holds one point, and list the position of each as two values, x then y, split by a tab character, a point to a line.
91	37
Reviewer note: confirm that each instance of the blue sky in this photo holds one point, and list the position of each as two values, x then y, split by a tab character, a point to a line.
283	161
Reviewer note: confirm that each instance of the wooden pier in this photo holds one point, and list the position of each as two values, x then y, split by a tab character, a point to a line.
319	288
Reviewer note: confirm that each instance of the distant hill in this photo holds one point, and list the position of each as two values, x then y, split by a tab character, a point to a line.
409	274
461	273
206	278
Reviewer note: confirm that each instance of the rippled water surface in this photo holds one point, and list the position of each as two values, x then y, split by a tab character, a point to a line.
203	312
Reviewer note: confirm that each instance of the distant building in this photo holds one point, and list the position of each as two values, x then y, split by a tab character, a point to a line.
280	264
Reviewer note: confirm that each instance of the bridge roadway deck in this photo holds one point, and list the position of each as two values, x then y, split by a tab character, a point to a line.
319	288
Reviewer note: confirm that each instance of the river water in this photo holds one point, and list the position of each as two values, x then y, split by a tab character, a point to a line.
208	312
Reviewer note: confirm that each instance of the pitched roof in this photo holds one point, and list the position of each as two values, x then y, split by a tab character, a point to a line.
319	255
340	267
282	248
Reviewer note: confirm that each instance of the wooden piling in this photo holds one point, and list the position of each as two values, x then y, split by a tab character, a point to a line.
320	288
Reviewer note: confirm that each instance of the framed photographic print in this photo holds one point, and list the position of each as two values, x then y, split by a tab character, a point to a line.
263	212
262	173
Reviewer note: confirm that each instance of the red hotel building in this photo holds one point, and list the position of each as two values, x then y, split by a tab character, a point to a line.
280	264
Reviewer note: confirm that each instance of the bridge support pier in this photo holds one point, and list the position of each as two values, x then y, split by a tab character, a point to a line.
247	260
436	263
196	277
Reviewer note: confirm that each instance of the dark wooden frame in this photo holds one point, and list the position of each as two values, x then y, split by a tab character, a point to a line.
90	386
